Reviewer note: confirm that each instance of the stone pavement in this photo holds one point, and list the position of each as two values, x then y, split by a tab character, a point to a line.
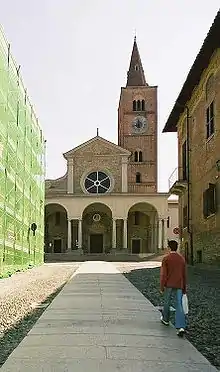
100	322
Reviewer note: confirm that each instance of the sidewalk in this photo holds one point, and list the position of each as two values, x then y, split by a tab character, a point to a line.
101	323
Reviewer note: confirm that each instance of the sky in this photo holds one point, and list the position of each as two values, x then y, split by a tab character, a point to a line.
74	57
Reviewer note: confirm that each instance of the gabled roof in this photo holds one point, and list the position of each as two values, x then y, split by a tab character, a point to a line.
136	72
102	141
210	44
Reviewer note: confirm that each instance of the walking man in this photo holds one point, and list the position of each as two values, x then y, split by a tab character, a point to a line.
173	280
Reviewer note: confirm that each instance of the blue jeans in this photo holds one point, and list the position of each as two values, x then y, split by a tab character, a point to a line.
180	318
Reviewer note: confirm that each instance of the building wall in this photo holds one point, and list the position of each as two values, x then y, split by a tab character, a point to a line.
203	156
21	171
145	142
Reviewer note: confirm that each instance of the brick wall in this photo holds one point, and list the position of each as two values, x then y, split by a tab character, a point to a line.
203	156
146	141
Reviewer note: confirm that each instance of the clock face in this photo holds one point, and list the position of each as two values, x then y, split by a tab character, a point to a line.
139	124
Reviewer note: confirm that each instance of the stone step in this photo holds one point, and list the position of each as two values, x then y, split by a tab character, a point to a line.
67	257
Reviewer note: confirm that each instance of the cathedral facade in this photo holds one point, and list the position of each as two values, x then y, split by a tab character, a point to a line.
107	202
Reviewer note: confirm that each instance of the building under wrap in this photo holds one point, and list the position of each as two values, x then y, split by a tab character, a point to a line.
21	171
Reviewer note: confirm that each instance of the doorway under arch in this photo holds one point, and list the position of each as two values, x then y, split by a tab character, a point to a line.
56	227
142	229
97	228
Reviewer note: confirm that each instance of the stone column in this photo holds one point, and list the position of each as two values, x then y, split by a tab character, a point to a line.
70	176
114	241
125	234
124	174
160	233
69	246
165	234
153	235
80	233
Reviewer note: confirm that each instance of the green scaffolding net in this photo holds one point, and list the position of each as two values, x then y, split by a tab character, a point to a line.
21	171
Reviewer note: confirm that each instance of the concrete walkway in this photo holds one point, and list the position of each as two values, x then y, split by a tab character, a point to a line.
101	323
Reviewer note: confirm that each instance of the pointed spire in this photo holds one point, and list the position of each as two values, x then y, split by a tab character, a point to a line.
136	72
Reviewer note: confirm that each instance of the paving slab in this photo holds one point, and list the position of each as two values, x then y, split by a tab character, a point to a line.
100	322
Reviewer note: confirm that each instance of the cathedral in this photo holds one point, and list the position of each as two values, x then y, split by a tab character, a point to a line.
107	203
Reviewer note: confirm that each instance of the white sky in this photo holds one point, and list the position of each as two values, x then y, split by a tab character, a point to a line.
75	55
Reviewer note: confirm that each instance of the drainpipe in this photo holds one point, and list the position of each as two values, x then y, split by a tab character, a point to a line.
189	211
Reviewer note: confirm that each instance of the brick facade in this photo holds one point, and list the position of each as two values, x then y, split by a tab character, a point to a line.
203	156
199	189
145	142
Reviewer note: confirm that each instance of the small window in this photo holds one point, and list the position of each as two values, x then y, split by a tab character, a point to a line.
138	105
209	201
168	222
143	105
210	120
137	218
140	156
136	156
57	218
185	217
134	106
136	67
138	177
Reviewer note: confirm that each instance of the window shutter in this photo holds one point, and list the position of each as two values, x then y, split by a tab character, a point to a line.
212	198
205	204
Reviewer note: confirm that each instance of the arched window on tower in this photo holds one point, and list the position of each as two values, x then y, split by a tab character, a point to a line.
136	156
138	177
134	106
143	105
138	105
136	67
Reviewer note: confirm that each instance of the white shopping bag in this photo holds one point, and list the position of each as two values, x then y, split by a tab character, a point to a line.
185	304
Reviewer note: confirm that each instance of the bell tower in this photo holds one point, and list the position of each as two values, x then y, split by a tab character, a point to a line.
137	127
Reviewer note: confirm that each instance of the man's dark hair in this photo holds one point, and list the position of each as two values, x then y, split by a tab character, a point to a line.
173	245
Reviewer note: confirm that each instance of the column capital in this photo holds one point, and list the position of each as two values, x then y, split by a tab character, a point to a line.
70	161
124	159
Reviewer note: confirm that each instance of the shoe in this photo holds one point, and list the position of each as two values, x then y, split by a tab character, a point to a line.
181	332
164	322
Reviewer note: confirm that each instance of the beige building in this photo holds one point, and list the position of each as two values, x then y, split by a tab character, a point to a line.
196	119
107	202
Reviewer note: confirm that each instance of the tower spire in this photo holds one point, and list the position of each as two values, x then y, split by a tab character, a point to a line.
135	76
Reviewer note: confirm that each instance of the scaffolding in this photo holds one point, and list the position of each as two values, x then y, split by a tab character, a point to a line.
22	171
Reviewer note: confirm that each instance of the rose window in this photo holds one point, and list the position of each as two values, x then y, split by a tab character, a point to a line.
97	183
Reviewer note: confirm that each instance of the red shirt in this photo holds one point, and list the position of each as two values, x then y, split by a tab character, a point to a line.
173	272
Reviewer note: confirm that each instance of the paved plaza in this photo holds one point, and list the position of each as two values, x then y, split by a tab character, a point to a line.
100	322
